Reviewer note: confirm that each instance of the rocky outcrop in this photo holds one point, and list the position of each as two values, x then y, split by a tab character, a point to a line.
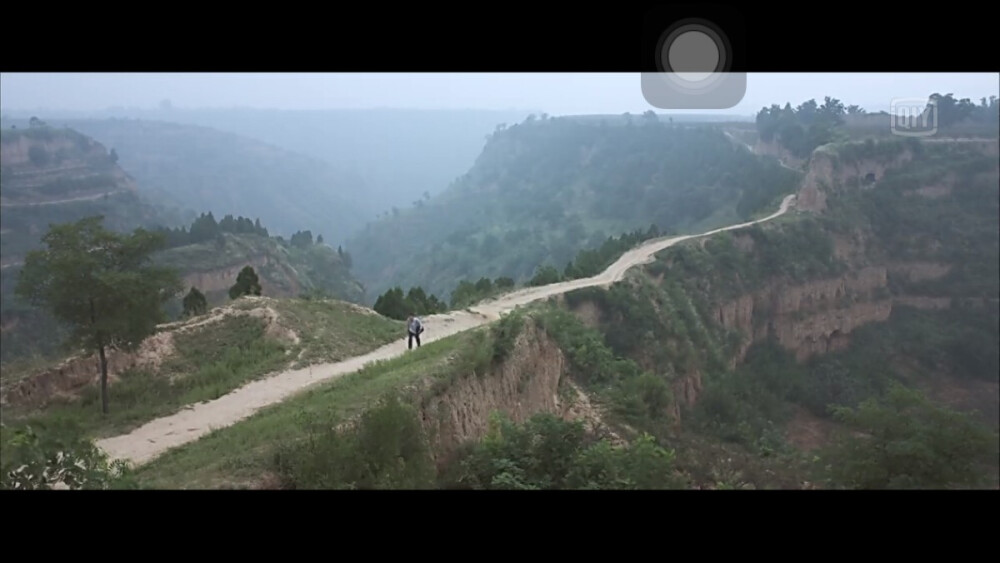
811	318
828	174
532	380
779	152
525	384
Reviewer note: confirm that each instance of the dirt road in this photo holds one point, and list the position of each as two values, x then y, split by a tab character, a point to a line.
157	436
61	201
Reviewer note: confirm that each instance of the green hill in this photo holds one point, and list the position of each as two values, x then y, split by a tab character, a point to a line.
50	175
544	189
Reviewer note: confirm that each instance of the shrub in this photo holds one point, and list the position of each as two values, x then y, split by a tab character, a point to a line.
385	449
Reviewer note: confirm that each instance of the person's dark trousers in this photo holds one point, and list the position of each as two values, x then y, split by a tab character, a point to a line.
412	336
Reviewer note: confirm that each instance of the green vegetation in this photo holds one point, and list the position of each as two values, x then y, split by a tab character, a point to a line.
205	228
907	442
592	262
247	283
796	251
395	305
240	454
40	462
543	190
802	129
386	449
101	284
210	361
332	331
547	453
194	303
73	166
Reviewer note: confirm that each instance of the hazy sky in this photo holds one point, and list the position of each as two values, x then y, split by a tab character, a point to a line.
554	93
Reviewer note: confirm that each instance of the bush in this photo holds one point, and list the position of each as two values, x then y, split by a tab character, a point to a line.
505	333
194	303
386	449
549	453
247	283
905	443
49	460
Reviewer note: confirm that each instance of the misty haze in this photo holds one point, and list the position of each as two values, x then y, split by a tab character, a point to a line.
498	281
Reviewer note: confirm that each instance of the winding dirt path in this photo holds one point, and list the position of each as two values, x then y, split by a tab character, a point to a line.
61	201
194	421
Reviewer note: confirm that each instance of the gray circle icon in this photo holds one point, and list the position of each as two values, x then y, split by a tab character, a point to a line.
692	52
694	58
693	55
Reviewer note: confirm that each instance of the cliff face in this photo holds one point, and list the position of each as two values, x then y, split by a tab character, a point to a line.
828	175
819	315
808	319
779	152
527	383
275	282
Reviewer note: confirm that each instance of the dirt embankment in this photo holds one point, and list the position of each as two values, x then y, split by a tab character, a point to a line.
532	380
67	379
273	279
808	319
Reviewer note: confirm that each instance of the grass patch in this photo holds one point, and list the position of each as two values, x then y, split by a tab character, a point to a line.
332	330
241	453
210	362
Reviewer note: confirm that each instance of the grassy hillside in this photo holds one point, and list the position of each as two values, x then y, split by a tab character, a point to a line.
205	169
203	358
544	189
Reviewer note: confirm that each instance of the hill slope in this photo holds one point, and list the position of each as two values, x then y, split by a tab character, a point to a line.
398	153
50	175
203	169
544	189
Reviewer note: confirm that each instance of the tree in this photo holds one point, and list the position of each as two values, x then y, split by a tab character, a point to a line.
392	304
194	303
247	283
101	284
906	442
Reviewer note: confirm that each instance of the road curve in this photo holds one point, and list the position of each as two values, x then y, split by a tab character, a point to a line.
192	422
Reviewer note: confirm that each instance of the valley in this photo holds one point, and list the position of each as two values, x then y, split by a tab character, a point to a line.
799	305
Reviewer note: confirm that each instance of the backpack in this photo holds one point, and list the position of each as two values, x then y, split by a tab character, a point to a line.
416	326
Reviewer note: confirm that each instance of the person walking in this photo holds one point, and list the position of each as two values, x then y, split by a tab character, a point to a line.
414	328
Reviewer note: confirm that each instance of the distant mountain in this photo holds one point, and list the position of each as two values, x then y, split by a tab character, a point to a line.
544	189
398	153
51	175
204	169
